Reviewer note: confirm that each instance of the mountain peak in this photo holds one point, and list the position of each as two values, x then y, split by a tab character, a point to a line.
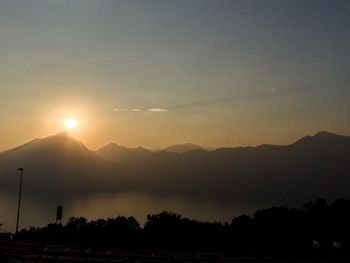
322	137
182	148
62	134
62	137
117	153
114	146
325	134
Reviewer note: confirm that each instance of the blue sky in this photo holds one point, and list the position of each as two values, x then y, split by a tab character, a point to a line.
154	73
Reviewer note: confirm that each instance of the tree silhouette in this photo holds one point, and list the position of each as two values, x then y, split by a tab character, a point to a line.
316	226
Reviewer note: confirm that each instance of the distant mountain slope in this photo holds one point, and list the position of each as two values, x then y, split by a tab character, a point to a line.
120	154
314	166
58	164
182	148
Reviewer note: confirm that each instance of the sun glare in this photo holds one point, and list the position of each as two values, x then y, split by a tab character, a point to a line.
70	123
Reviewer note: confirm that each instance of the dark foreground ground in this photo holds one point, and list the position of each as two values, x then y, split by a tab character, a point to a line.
11	251
317	232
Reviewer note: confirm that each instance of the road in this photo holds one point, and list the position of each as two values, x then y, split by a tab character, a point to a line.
11	252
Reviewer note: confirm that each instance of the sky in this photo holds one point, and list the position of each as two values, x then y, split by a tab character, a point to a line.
160	72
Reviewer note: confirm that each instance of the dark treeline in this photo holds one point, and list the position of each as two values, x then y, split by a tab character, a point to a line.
316	226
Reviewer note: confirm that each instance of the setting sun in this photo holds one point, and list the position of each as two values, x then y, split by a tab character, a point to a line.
70	123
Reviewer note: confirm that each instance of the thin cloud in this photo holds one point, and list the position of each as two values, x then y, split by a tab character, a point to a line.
236	98
140	110
157	110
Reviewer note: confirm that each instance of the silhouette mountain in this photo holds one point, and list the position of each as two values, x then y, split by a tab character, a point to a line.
322	139
182	148
57	164
120	154
314	166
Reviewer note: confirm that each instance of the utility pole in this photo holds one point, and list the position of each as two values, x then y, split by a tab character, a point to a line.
19	198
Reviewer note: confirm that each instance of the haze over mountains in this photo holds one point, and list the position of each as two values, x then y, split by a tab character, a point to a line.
56	164
314	166
182	148
121	154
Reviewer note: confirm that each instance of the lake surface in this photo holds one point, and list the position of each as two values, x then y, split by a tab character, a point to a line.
40	212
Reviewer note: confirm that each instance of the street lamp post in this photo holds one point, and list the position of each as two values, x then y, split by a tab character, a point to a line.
19	198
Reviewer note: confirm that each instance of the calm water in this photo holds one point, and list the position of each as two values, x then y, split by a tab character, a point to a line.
39	212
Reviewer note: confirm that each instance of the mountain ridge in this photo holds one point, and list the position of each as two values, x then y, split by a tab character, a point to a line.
121	154
317	135
182	148
251	174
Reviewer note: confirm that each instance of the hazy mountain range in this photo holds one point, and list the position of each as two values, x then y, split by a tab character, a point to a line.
314	166
121	154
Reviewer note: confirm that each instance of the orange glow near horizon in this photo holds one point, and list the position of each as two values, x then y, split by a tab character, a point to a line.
77	119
